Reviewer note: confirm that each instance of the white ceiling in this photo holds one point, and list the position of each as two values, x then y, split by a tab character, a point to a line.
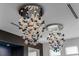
53	13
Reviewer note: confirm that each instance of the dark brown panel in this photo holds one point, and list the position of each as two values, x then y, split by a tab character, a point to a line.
14	39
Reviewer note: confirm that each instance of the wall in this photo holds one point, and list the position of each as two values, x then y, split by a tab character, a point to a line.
4	51
17	51
45	49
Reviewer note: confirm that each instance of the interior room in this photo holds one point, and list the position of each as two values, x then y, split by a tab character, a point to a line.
39	29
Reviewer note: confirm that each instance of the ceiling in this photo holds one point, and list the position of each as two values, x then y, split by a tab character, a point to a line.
53	13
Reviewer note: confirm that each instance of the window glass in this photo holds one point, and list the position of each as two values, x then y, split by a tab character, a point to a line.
33	52
71	50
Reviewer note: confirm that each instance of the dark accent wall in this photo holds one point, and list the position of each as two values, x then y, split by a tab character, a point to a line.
5	51
14	39
17	51
8	49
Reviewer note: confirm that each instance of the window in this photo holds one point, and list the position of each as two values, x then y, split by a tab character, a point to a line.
71	50
33	52
52	53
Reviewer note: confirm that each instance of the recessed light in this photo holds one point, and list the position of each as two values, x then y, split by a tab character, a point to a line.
7	44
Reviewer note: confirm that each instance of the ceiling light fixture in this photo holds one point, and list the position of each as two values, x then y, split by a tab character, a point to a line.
55	37
30	23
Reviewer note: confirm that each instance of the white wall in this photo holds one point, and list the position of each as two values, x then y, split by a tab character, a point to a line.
45	49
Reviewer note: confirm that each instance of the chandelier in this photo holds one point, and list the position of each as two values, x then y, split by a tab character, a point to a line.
30	24
55	37
32	27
